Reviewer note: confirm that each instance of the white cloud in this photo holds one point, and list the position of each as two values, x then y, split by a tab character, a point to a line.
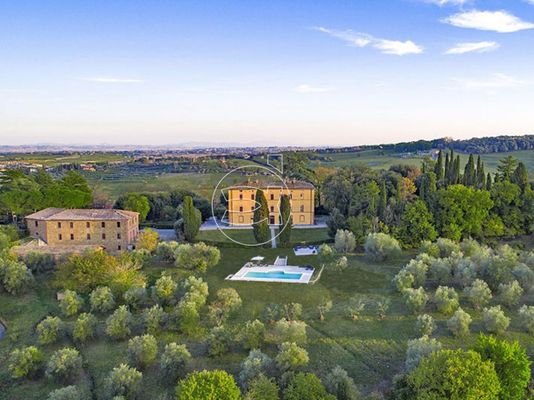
305	88
395	47
498	21
495	81
473	47
448	2
100	79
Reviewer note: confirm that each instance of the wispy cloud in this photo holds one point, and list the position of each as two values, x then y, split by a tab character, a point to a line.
473	47
494	81
448	2
497	21
357	39
101	79
305	88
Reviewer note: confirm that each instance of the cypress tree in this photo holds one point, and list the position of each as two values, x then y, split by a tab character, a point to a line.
520	176
469	172
488	182
192	219
260	227
481	175
286	221
438	168
383	202
456	170
447	170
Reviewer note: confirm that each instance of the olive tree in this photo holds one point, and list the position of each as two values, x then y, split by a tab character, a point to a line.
199	256
71	303
118	324
381	247
415	299
341	385
446	300
136	297
253	334
288	331
165	288
208	385
495	321
345	242
419	348
459	323
290	357
25	362
15	277
263	388
256	364
153	318
124	381
526	316
478	294
84	327
49	329
66	393
64	365
102	300
227	302
173	361
510	293
425	325
142	350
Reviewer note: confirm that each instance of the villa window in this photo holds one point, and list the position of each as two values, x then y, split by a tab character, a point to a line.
71	236
301	218
87	224
241	197
240	209
103	236
301	195
36	223
118	235
118	224
252	208
103	224
301	208
252	196
71	225
119	247
272	196
272	209
59	225
88	236
60	236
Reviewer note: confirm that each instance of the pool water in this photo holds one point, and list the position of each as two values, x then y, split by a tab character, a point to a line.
274	275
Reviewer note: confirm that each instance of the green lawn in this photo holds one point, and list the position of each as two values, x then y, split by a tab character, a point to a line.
371	350
245	236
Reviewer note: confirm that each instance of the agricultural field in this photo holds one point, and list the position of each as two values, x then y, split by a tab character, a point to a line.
371	349
55	159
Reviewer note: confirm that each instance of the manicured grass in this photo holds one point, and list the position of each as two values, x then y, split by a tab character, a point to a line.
245	236
371	350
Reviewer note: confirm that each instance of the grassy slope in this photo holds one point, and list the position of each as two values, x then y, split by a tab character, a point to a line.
372	351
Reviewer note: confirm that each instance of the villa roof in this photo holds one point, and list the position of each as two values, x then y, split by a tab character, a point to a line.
74	214
289	184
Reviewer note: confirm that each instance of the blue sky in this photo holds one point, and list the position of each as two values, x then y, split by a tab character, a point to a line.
322	72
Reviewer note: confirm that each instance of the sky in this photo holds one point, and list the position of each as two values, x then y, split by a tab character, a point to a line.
277	72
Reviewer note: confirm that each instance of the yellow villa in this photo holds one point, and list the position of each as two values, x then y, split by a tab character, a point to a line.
242	202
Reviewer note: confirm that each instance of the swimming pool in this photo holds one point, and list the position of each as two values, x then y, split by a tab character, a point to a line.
273	275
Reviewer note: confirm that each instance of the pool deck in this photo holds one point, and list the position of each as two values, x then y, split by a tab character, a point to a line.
306	274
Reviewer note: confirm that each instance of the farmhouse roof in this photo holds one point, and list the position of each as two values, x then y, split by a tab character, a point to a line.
290	184
74	214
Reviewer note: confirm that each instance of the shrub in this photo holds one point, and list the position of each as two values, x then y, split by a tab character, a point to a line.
446	300
199	257
49	329
454	374
425	325
173	361
495	321
289	331
218	341
84	327
25	362
136	297
188	316
124	381
39	262
71	303
102	300
64	365
381	247
153	318
291	356
208	385
478	294
341	385
416	299
147	240
252	335
263	388
511	362
510	293
118	323
255	365
165	251
306	386
419	348
526	315
65	393
142	350
459	323
344	242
